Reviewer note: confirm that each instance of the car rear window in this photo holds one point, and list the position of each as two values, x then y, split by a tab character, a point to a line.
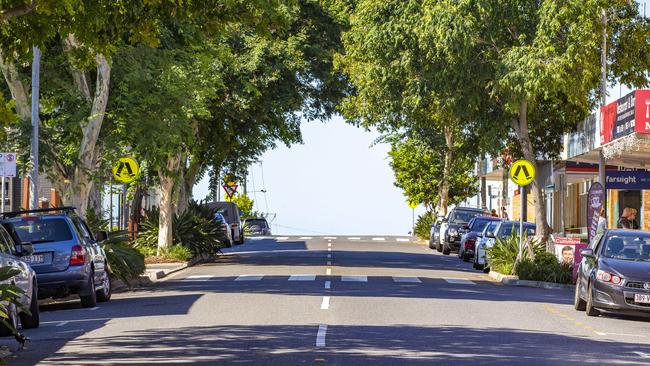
258	223
463	216
38	230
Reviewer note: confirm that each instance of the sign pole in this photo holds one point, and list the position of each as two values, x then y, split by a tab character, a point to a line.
522	194
3	194
413	226
33	186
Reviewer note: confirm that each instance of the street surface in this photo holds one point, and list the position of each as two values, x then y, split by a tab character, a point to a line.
334	301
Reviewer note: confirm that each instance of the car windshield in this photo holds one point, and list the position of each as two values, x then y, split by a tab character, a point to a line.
479	225
462	216
628	247
37	230
258	223
508	229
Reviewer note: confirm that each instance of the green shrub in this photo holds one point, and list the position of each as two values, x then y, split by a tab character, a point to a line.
195	229
423	225
9	294
124	261
503	255
179	253
545	267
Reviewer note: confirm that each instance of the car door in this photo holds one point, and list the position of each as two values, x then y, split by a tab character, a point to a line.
91	245
22	279
588	265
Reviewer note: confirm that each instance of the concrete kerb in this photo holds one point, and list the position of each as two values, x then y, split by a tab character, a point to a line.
515	281
151	277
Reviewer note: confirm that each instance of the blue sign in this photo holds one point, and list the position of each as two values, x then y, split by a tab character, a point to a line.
634	179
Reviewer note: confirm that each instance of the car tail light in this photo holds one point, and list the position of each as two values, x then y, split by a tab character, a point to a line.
78	256
470	244
603	276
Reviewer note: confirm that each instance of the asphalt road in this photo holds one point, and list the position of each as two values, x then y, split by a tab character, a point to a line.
334	301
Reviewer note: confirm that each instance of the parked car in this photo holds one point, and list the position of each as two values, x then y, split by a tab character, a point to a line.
452	227
230	211
225	227
68	258
11	255
434	233
474	229
257	226
492	232
613	274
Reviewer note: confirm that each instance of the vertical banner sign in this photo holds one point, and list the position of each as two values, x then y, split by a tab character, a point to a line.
595	201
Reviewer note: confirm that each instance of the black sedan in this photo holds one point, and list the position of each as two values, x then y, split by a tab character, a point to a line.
614	274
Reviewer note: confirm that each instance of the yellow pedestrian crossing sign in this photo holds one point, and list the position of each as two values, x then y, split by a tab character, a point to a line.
125	170
413	203
522	172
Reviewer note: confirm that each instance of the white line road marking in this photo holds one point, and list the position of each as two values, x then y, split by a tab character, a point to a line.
198	278
320	336
330	237
326	303
302	278
642	354
93	309
378	239
403	239
620	335
406	279
354	238
329	256
328	272
459	281
329	245
256	238
328	285
329	249
282	238
61	324
305	238
354	278
249	278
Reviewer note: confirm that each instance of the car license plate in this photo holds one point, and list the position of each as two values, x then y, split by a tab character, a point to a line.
642	298
34	259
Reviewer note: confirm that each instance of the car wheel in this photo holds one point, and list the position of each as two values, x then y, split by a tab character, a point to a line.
486	269
589	306
90	301
104	294
446	250
439	247
12	312
465	257
430	244
460	254
578	303
33	320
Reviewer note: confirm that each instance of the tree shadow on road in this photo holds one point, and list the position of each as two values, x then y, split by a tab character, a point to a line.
345	345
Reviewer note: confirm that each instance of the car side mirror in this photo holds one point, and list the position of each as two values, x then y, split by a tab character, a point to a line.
24	248
101	236
587	253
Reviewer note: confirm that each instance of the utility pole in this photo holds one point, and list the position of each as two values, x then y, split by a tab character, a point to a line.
33	186
602	165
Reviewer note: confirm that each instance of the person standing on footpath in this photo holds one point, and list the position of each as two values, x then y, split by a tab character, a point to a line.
602	221
627	220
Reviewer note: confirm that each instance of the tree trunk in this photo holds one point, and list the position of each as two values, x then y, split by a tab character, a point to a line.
16	87
444	183
82	182
520	126
166	190
187	185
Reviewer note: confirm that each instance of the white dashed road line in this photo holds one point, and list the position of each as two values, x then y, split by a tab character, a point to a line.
198	278
330	237
406	279
282	238
459	281
320	336
249	278
329	245
403	239
61	324
328	285
305	238
329	249
326	303
328	272
354	238
302	278
354	278
378	239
